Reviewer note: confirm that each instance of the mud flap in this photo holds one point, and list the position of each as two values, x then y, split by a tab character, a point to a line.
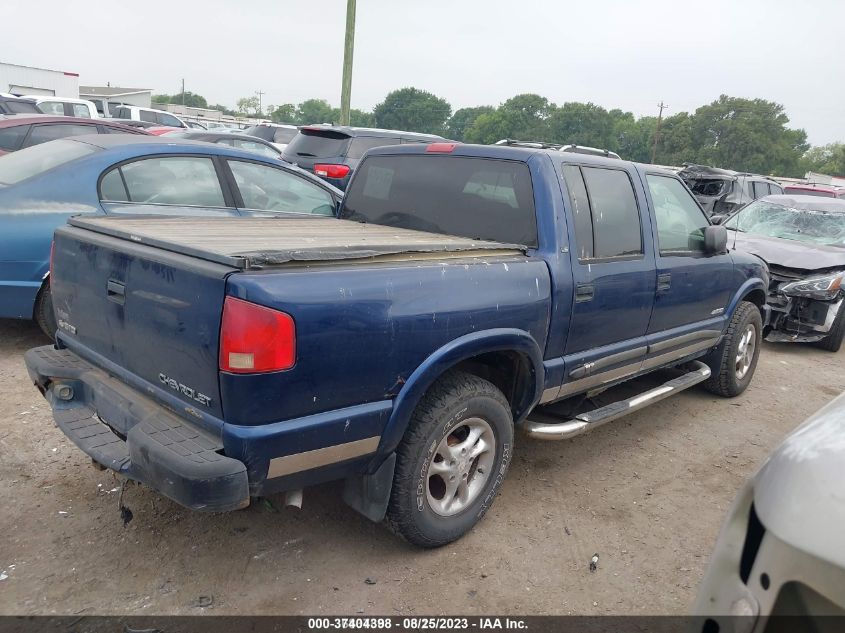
370	494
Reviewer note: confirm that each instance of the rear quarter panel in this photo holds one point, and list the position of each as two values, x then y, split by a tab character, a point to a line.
362	330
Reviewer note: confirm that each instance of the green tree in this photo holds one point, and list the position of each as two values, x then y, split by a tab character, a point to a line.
464	119
191	100
285	113
412	110
825	159
582	124
315	111
248	105
224	109
747	135
632	137
524	117
161	98
359	118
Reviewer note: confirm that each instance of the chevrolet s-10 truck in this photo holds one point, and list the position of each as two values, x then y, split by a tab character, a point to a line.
400	346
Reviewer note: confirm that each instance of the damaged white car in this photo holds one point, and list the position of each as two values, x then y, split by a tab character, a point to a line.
802	239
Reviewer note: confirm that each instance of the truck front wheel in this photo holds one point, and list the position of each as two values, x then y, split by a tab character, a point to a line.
733	362
833	341
452	460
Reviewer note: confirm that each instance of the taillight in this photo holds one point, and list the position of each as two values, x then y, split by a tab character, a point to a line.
52	253
331	171
255	339
441	148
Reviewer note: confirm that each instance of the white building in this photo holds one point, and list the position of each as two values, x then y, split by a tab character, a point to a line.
28	80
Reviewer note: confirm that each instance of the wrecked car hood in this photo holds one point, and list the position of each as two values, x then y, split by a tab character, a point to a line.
799	493
777	251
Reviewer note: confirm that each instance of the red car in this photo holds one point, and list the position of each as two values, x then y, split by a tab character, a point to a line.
27	130
823	191
158	130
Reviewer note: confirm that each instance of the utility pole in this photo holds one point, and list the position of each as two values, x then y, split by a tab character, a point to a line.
260	94
348	48
660	105
183	91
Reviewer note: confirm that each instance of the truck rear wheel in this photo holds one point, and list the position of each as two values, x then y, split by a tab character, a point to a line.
43	312
452	460
733	362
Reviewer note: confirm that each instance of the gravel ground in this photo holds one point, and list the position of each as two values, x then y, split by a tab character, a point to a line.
648	493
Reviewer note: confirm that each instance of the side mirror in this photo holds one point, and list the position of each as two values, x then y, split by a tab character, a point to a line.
715	239
718	218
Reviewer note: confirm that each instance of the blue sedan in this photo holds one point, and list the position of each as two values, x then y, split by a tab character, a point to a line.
40	187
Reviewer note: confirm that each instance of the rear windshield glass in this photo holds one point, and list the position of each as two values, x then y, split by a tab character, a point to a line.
36	160
317	144
283	135
477	198
709	186
261	131
22	107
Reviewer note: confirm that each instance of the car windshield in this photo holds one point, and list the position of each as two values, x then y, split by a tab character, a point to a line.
804	225
38	159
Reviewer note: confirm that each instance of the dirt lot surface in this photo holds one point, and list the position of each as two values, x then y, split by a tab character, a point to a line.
648	493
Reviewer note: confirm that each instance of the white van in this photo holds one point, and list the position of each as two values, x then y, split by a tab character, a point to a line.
66	106
150	115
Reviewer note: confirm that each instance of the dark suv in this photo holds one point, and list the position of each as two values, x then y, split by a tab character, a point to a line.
333	151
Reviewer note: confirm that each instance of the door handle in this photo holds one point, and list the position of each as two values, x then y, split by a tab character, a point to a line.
584	292
664	282
116	291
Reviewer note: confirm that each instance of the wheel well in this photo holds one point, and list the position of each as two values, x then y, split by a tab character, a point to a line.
511	372
44	285
757	297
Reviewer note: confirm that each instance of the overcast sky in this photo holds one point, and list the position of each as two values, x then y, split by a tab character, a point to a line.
627	54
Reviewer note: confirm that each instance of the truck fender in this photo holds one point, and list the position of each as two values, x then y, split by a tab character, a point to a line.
753	285
461	349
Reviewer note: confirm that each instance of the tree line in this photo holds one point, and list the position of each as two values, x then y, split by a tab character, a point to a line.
731	132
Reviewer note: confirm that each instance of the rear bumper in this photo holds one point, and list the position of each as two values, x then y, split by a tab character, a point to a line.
155	447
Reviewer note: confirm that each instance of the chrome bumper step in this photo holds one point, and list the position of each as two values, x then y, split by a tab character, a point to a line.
583	422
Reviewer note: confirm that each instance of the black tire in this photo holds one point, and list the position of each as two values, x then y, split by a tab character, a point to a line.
833	341
458	399
724	380
43	313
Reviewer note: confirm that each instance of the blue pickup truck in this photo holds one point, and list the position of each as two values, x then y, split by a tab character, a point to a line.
401	346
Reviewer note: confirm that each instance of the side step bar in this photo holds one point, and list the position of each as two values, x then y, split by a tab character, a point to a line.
584	422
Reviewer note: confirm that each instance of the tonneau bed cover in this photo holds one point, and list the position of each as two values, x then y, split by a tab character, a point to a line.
246	243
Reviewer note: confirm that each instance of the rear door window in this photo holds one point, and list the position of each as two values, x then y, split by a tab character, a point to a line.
582	218
616	216
146	115
265	188
52	131
760	189
478	198
172	180
55	108
81	110
168	119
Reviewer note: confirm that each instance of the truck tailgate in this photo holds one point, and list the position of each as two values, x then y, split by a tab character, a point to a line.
152	313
